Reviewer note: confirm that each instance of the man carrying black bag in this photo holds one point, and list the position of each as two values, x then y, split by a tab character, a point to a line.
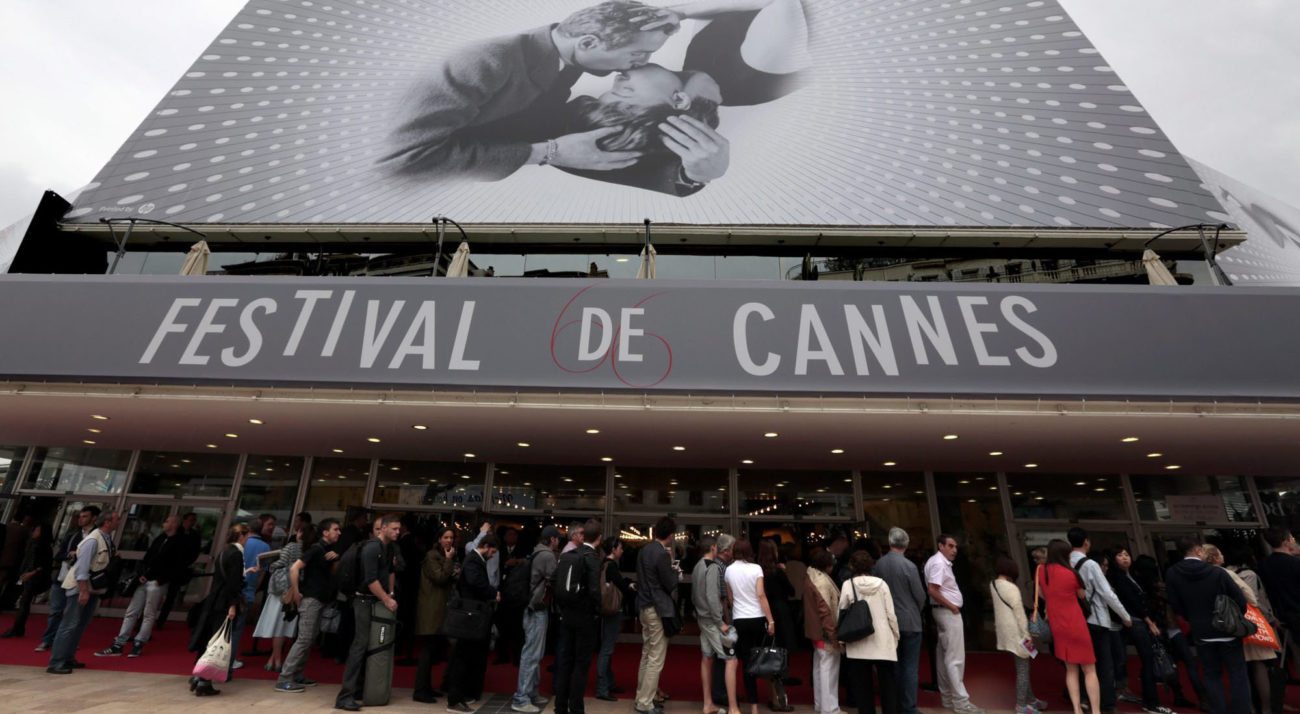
469	659
576	593
371	587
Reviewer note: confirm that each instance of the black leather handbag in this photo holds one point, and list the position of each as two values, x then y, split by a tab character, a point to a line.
467	619
1229	619
855	620
767	660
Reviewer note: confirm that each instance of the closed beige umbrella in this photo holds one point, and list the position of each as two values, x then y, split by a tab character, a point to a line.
459	267
1157	273
647	269
196	263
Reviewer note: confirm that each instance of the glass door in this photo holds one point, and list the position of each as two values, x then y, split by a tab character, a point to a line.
142	524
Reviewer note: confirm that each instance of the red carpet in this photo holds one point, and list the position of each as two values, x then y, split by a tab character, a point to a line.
990	677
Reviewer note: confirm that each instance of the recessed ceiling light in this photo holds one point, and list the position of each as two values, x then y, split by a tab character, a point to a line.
466	476
593	431
891	463
232	436
259	422
373	439
949	437
95	431
390	468
211	446
771	434
469	456
1172	467
1129	439
1154	455
185	461
963	482
524	444
419	427
1077	483
889	485
679	448
1031	466
995	453
100	417
87	441
337	451
607	458
746	461
837	451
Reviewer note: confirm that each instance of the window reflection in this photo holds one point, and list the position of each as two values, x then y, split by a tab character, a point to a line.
429	483
1192	499
182	474
79	470
532	487
795	493
674	490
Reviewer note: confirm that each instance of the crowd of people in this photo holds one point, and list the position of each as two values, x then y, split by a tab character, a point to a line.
459	596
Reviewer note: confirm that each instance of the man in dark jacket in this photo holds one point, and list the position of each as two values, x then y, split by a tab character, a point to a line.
161	566
579	609
657	580
1194	585
1281	574
469	661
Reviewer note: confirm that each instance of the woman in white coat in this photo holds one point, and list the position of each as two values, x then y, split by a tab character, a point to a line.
1012	627
880	650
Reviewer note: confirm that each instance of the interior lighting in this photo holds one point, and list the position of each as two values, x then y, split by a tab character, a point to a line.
771	435
1129	439
258	422
337	451
469	456
593	431
837	451
232	436
1154	455
419	427
995	453
95	431
523	444
1031	466
607	459
373	440
679	448
87	441
100	417
1172	467
746	461
949	437
891	463
212	446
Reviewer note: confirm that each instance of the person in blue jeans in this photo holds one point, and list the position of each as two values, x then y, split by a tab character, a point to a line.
536	615
908	593
611	625
65	556
93	556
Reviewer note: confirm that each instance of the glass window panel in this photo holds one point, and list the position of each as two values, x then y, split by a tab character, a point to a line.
533	487
144	521
79	470
1192	499
336	484
181	474
635	534
663	490
892	499
59	513
1281	499
270	485
11	462
429	483
795	493
970	510
1067	496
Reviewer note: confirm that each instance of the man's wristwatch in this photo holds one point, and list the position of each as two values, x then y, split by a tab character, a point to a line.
552	148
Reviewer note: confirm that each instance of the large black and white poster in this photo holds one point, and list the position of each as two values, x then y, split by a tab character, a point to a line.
727	112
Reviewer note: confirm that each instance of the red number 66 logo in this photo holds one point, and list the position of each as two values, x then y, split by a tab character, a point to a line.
600	340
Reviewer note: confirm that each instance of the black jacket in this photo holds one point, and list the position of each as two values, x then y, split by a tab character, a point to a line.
165	559
1130	594
1194	585
1281	575
474	583
227	589
656	580
591	562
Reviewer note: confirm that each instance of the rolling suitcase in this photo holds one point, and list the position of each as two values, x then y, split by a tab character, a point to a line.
378	685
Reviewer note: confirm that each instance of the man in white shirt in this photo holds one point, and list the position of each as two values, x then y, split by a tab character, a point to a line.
946	602
80	593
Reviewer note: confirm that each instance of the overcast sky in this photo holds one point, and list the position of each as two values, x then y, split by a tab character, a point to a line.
1222	77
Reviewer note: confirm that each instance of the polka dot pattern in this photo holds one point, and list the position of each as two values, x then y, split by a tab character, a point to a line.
916	113
1271	254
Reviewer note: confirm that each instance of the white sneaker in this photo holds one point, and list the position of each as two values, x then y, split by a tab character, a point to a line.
237	665
524	708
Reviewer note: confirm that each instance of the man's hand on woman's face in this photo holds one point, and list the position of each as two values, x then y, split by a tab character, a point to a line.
705	153
579	151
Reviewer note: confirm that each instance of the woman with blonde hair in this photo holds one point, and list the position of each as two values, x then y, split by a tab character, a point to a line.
1257	658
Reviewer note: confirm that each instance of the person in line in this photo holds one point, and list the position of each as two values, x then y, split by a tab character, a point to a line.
611	623
259	543
1104	602
374	584
1062	589
1265	666
878	652
1144	631
224	601
65	555
905	586
751	613
33	575
1012	628
161	566
579	620
273	623
80	594
1194	585
494	563
779	593
1146	571
310	590
438	575
573	537
193	540
657	580
535	619
708	596
1281	574
1257	658
509	619
838	547
821	615
464	675
945	605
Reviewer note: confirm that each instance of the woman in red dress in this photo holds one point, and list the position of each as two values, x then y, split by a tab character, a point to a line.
1071	642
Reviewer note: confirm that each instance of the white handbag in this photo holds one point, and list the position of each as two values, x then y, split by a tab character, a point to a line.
214	665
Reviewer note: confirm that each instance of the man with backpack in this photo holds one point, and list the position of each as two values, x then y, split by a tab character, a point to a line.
539	567
311	589
469	660
576	591
1104	602
365	575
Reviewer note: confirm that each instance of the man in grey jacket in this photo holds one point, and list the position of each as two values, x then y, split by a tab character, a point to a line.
657	580
536	616
709	596
1104	601
905	585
